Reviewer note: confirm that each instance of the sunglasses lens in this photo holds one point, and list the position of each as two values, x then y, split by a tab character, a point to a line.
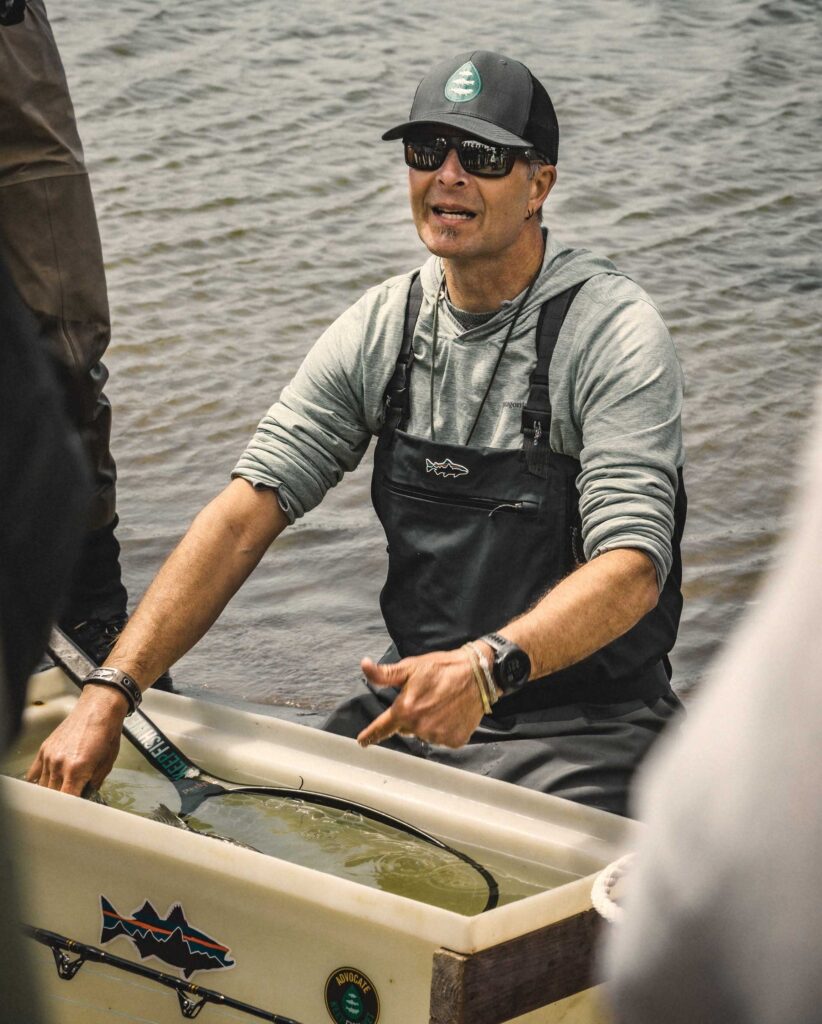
480	158
425	154
485	160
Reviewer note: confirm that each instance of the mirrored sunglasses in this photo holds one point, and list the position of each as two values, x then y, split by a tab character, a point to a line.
484	159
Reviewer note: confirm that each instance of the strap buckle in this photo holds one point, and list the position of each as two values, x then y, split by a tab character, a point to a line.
535	424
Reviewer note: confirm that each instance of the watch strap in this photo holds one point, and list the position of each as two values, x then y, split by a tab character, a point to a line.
496	641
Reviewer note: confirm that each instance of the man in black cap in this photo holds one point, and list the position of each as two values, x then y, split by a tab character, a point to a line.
526	399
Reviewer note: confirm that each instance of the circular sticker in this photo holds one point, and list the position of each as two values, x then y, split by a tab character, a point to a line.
351	998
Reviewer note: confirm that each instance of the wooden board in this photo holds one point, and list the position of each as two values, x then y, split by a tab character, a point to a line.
515	977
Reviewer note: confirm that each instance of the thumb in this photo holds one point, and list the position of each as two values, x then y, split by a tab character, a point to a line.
395	674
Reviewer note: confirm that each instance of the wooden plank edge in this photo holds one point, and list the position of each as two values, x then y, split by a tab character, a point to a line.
502	982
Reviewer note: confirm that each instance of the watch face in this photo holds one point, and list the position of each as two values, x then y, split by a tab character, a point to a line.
514	669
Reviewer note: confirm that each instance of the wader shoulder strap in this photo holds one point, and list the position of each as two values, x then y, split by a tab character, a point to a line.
536	416
397	394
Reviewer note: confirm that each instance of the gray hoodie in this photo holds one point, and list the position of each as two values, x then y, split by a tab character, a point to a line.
615	385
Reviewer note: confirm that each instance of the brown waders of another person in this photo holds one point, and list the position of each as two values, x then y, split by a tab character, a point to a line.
44	483
50	243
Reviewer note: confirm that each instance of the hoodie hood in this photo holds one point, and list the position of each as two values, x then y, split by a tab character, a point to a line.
562	268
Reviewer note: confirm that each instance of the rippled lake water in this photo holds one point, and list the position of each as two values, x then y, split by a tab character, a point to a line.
245	200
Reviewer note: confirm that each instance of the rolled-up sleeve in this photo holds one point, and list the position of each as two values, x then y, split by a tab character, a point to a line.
628	404
317	431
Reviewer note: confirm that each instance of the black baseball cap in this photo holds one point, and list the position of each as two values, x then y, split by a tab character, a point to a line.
489	96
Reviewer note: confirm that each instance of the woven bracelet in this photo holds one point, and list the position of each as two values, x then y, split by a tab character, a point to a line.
118	680
472	658
491	686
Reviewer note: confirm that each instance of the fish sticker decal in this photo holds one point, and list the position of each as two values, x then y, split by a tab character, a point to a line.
445	468
170	939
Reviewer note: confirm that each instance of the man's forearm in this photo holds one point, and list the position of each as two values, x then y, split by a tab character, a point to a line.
439	702
587	610
221	548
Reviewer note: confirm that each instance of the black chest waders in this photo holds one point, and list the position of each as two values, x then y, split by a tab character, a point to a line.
477	535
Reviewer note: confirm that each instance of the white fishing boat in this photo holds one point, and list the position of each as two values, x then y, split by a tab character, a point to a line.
130	919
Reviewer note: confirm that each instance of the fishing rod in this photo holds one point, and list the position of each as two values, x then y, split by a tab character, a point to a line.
192	998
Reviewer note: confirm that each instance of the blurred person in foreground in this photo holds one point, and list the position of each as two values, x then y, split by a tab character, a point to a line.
44	491
526	398
723	908
50	242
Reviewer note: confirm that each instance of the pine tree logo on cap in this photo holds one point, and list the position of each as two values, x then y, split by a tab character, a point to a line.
465	84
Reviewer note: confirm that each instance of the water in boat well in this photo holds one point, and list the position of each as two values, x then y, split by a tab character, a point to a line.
338	842
245	200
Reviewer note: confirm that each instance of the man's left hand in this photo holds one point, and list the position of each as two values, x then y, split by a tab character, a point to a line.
438	700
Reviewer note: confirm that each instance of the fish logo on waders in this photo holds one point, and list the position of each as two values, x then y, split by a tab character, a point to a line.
445	468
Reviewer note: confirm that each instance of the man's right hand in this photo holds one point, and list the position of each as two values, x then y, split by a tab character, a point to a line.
83	748
223	544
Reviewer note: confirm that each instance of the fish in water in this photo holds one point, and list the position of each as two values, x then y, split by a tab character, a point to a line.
171	938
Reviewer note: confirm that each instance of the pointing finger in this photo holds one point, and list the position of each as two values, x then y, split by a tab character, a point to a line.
382	728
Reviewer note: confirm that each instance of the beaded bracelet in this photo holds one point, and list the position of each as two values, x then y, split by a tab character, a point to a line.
118	680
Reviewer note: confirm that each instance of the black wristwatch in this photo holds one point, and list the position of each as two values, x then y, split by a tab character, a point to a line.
511	667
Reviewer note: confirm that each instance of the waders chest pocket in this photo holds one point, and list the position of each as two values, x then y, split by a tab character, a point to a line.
490	506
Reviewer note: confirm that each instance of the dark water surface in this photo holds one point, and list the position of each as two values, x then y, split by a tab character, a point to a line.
245	200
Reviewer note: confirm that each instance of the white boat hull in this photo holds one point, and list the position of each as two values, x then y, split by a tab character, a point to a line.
283	930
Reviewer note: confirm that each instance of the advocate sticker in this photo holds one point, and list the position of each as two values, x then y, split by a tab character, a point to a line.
351	998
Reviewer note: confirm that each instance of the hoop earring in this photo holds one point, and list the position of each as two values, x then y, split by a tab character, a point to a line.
530	214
